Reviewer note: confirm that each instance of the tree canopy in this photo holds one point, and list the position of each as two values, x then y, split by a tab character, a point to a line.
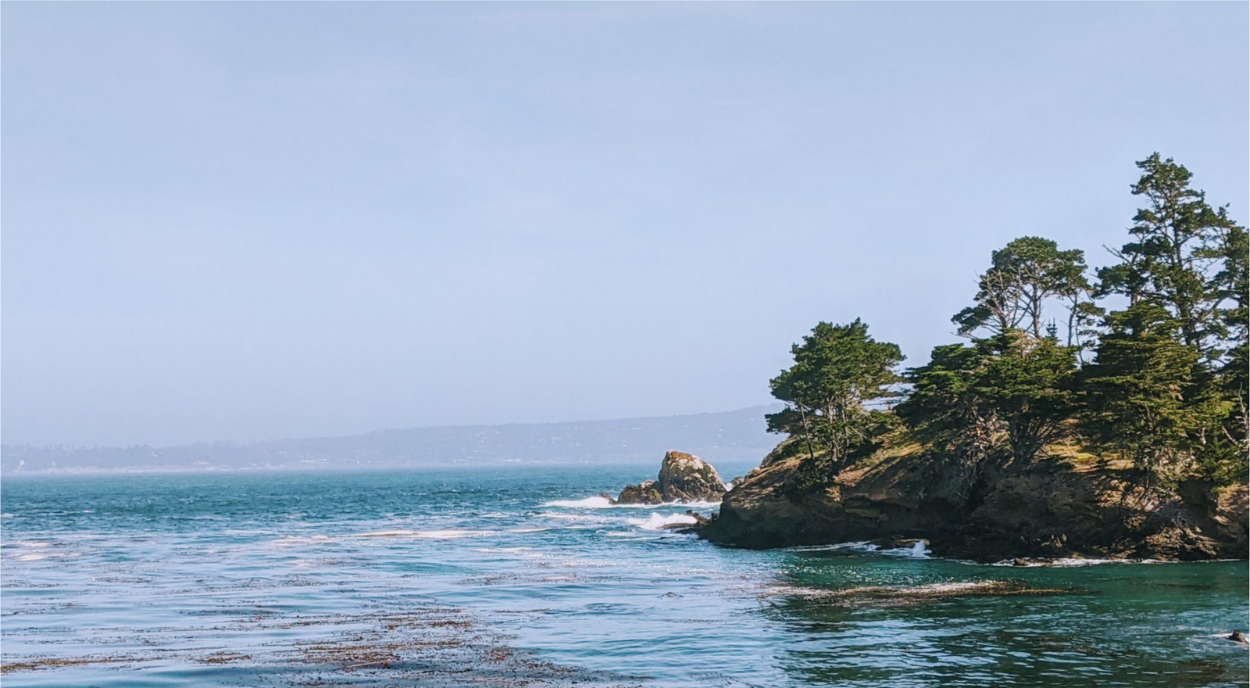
839	371
1164	326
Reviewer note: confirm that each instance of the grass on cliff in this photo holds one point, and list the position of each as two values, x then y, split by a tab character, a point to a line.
900	446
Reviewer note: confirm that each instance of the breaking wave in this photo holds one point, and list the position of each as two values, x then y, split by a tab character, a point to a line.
658	522
600	502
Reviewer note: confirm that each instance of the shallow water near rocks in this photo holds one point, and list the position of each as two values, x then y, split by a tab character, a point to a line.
518	576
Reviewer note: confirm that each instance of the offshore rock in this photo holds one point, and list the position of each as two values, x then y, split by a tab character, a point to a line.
645	493
683	478
687	478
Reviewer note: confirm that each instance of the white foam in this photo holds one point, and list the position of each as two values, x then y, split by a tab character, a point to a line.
657	522
297	540
860	546
919	550
931	589
597	502
447	534
31	557
588	519
600	502
528	530
1069	562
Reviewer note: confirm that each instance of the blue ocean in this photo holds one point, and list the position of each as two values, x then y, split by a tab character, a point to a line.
522	576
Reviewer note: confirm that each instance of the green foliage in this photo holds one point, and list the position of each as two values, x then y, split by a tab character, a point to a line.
838	371
1179	245
1227	459
947	411
1135	394
1022	276
1013	386
1029	384
1167	386
946	408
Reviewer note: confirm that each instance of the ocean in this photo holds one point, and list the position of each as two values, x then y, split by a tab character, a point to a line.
521	576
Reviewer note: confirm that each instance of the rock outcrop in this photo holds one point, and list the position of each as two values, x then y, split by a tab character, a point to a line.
646	492
683	478
1055	507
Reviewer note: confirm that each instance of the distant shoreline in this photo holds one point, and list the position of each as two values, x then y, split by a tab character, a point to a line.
646	463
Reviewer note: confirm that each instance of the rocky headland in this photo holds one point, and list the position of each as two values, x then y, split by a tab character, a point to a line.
1066	504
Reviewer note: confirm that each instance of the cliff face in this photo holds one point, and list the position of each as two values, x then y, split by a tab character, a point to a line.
1053	508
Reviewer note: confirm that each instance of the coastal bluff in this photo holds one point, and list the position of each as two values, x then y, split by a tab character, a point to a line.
1057	507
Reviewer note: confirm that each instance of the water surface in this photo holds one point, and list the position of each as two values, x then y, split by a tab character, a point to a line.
514	577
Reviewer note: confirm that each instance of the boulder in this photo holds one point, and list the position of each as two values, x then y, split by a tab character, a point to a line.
645	493
683	478
687	478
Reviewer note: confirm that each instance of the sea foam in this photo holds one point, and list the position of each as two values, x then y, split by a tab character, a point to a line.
448	534
600	502
587	503
657	522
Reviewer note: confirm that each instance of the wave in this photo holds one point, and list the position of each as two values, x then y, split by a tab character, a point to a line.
577	518
447	534
596	502
919	550
859	546
600	502
924	592
296	540
1070	562
658	522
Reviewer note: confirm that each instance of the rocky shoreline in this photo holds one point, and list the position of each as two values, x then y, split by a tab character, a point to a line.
1058	507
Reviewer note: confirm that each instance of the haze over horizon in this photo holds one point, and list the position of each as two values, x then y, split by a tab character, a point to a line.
241	222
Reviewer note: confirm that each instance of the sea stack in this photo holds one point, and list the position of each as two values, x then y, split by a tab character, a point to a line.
683	478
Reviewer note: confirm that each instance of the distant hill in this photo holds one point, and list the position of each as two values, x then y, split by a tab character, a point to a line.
732	435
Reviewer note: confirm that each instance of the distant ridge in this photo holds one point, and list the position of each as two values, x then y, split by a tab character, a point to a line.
730	435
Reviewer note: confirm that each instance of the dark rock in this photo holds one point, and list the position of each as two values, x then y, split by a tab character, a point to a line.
648	492
1236	637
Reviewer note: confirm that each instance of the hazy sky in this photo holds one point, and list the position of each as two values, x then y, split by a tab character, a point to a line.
246	221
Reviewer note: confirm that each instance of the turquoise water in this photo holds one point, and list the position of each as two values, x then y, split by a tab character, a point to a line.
512	577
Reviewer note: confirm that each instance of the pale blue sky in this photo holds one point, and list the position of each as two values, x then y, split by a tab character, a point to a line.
245	221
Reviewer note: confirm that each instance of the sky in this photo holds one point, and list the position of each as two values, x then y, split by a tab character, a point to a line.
234	222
